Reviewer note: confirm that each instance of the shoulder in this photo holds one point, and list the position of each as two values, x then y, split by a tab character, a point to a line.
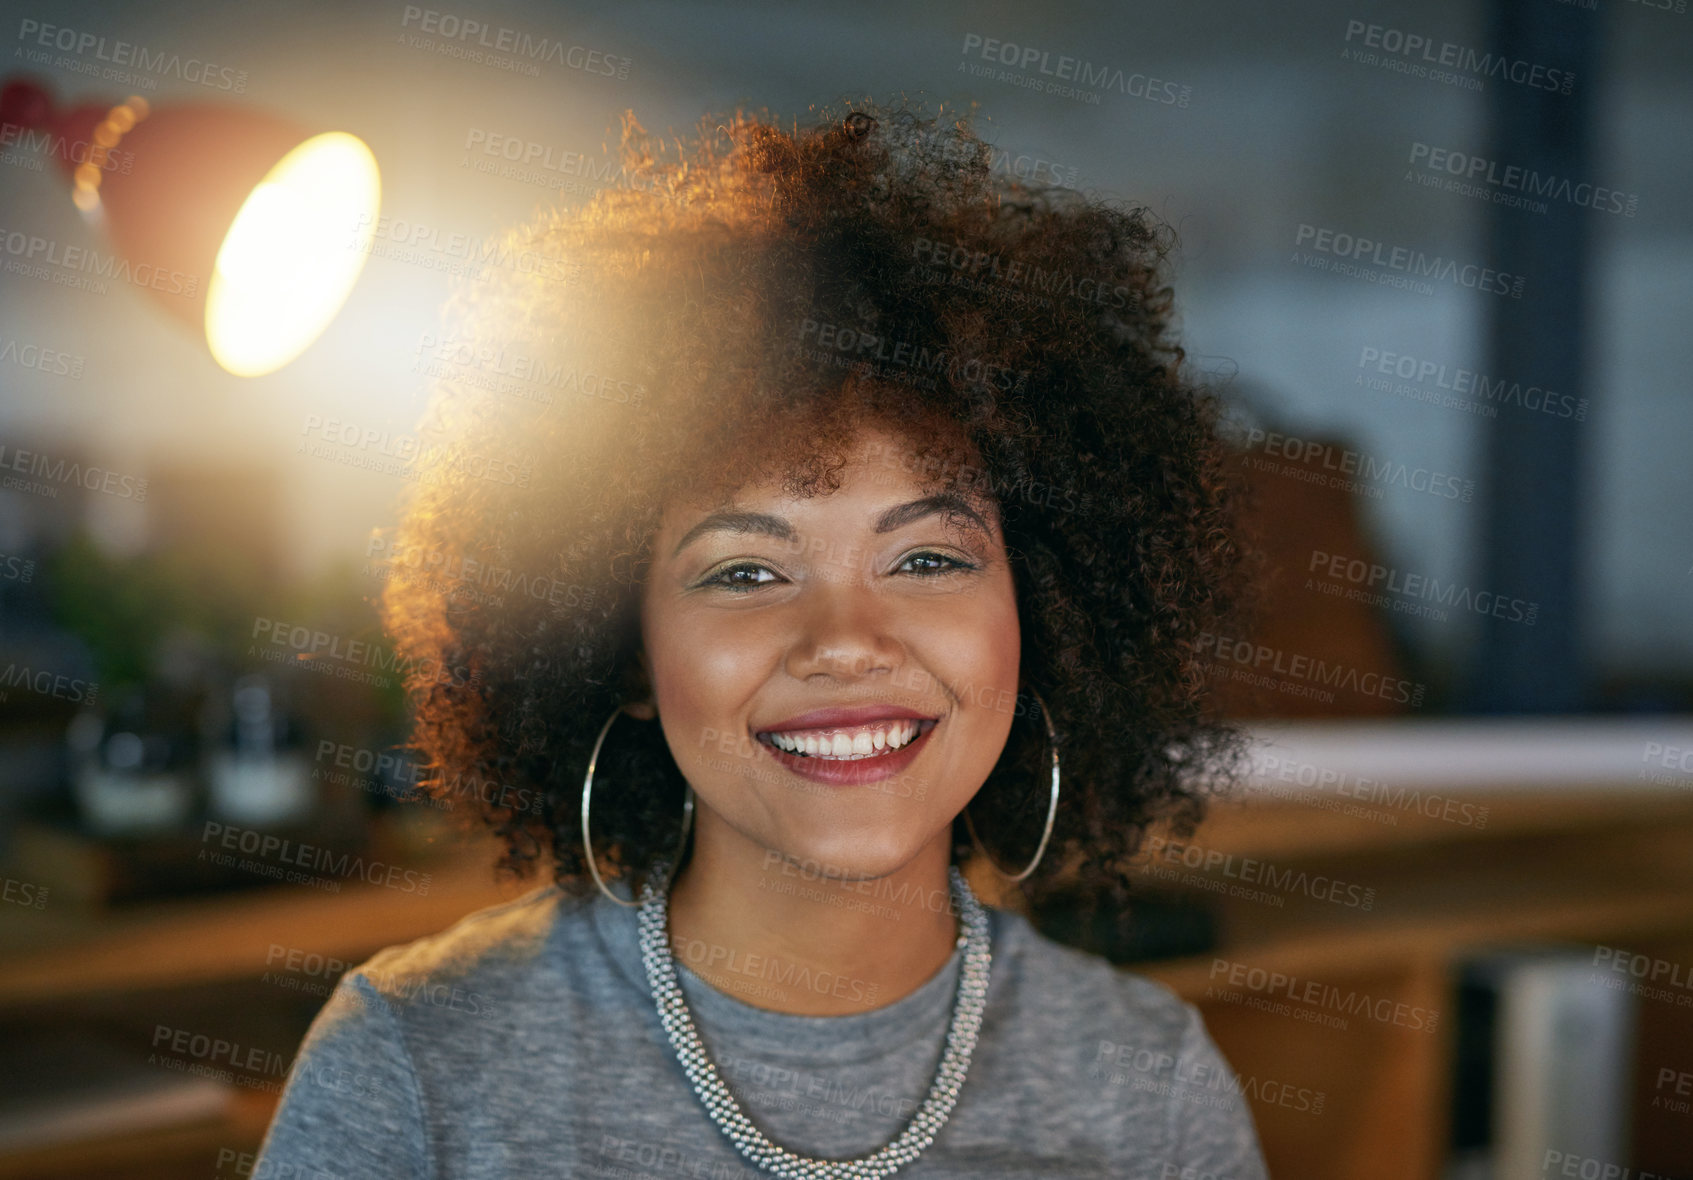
488	963
1113	1006
382	1054
482	944
1134	1049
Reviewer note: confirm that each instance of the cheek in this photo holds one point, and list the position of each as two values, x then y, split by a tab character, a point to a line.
986	642
704	671
977	651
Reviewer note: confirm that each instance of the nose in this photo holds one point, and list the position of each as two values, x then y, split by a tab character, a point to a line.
846	633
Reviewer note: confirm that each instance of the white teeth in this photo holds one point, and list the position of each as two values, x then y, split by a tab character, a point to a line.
862	742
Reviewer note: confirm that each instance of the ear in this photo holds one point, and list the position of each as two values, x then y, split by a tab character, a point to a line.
644	710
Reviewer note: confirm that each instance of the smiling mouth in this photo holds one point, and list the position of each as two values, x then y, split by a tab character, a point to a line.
848	743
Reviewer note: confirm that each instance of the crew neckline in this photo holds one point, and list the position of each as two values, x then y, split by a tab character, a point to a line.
789	1036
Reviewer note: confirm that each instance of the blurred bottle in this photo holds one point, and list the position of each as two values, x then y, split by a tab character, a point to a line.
257	770
134	769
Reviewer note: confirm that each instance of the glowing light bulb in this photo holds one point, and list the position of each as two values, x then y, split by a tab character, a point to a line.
291	256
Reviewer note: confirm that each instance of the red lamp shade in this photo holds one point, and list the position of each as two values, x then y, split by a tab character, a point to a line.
245	226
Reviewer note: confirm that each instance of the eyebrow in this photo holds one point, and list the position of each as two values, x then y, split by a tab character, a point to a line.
765	524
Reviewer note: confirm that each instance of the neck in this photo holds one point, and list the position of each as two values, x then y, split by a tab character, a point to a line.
779	934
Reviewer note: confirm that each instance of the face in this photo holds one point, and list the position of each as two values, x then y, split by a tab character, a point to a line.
835	676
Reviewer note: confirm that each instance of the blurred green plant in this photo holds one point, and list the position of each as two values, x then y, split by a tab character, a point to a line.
125	608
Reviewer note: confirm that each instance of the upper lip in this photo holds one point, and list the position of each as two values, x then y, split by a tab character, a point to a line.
843	716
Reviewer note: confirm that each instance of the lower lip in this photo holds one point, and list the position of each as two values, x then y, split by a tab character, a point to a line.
852	772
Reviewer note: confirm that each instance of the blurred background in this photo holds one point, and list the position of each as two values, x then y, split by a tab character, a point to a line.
1437	259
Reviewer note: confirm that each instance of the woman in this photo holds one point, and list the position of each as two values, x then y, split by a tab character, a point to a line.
866	528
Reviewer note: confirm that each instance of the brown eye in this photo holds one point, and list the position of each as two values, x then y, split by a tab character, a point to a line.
726	577
949	564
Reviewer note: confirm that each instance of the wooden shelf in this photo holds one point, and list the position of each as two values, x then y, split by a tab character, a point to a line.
228	937
1257	824
1389	947
224	938
1583	867
165	1154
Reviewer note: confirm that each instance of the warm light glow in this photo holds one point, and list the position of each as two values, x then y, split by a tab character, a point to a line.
290	259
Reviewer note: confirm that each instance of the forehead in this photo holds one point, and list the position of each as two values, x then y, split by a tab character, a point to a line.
877	475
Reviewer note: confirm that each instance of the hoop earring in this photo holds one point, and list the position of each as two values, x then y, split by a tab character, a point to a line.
1051	808
587	797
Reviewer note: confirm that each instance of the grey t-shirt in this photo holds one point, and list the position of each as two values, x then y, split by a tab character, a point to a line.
523	1042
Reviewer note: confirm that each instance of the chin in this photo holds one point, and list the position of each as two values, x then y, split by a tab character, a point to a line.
849	856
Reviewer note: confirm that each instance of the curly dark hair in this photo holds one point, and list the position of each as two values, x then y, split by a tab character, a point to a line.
737	306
